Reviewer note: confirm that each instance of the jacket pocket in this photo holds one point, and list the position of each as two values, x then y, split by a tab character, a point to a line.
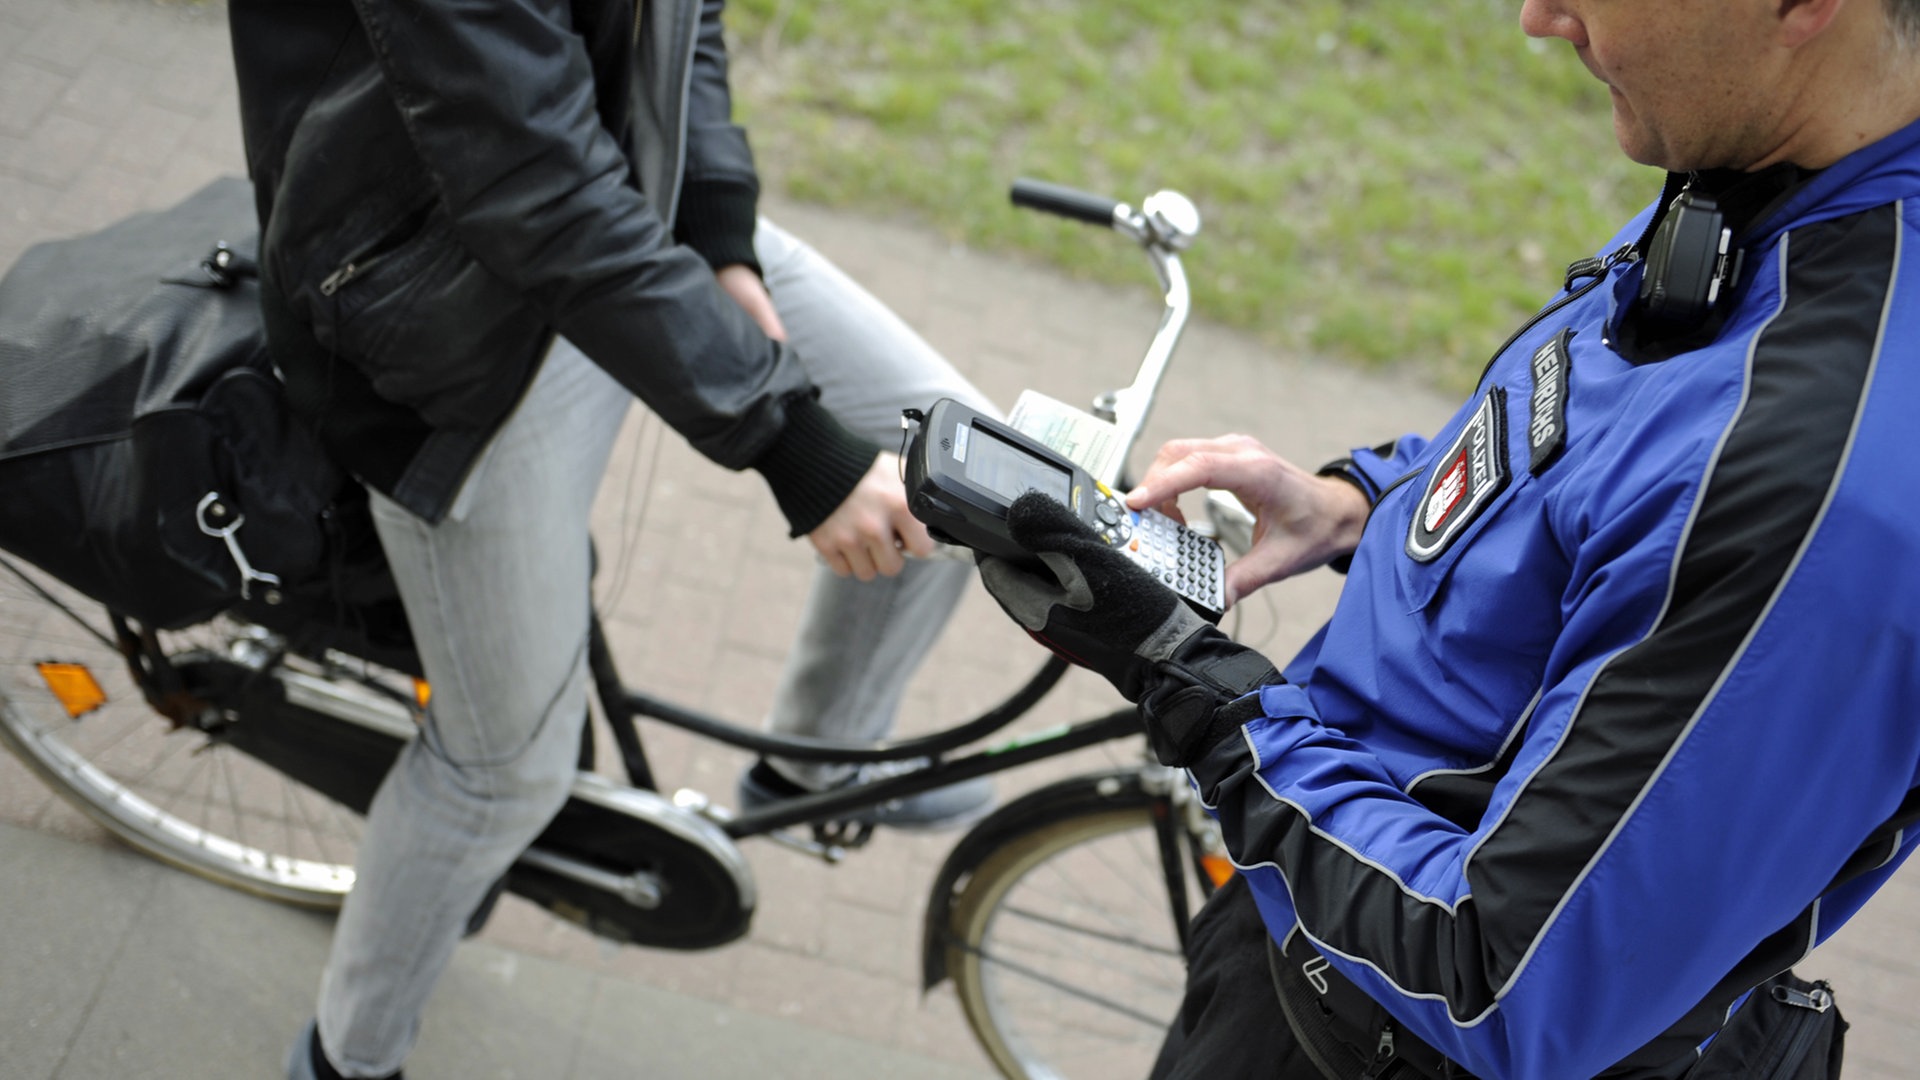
428	325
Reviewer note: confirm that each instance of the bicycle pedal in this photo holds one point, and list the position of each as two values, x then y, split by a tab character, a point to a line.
846	835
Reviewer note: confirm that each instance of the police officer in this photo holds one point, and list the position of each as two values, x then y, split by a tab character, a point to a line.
1613	720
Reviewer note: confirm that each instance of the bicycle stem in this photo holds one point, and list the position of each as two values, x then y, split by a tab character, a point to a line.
1127	409
1165	225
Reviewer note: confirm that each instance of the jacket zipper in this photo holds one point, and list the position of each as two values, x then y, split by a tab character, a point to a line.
396	236
332	282
1591	268
1594	270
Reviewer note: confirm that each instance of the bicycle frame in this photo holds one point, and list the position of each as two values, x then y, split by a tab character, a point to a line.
1164	225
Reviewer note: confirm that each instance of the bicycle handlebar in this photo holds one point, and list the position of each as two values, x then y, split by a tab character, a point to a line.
1067	202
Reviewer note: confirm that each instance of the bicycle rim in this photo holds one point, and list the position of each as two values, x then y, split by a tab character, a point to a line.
173	793
1067	959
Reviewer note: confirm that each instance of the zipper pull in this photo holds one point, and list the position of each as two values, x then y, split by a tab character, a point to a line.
1588	267
1383	1053
1819	998
332	282
1593	267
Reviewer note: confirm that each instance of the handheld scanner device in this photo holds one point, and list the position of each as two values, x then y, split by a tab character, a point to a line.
964	469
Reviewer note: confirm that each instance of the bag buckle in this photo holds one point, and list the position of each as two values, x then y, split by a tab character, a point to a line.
213	509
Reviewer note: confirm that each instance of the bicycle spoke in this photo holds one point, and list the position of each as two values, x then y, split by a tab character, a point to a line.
1003	964
233	797
1087	931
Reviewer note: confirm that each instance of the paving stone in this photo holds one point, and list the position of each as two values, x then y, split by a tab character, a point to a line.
53	152
27	91
65	38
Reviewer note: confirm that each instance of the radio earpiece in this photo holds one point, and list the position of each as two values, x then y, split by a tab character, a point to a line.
1690	263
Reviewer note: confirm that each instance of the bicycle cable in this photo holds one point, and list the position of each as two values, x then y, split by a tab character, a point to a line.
632	519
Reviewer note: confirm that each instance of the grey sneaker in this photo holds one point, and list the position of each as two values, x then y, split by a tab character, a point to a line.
948	807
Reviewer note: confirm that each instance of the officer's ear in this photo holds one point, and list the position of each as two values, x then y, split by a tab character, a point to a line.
1801	21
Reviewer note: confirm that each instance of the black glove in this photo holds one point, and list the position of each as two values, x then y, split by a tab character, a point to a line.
1098	609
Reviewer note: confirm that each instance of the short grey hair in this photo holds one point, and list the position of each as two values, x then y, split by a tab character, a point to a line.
1903	16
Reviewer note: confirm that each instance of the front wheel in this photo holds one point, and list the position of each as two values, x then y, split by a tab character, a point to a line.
1066	942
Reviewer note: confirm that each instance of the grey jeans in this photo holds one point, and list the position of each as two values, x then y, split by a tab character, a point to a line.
498	595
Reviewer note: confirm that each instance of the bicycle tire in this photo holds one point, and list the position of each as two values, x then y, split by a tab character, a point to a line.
173	793
1096	1004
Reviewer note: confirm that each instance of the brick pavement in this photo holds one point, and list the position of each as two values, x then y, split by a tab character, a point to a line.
109	106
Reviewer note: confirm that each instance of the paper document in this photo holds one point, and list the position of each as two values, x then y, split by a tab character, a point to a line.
1081	437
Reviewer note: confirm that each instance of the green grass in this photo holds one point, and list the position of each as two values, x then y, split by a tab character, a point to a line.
1383	182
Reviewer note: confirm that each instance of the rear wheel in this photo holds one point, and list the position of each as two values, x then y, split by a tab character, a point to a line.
176	793
1067	949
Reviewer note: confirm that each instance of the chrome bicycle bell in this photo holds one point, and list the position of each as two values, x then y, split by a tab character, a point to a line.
1172	218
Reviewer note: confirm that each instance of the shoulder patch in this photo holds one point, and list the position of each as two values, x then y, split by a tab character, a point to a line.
1464	480
1547	407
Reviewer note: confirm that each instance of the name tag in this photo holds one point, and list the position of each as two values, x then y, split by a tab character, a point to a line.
1547	409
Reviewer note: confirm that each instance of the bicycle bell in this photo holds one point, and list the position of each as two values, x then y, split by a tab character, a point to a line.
1172	218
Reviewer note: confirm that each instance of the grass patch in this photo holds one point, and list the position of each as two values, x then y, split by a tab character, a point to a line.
1387	183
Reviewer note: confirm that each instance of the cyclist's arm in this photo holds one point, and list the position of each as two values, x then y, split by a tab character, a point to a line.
499	102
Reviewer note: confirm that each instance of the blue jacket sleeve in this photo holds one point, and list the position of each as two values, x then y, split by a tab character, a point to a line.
1375	469
1683	790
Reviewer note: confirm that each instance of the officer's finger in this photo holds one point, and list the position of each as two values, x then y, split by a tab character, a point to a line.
1265	564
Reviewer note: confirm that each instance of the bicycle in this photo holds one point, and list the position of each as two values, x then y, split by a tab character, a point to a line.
193	746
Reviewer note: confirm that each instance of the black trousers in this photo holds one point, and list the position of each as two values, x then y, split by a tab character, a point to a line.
1230	1025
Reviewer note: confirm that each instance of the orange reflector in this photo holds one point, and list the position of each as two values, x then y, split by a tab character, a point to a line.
1219	869
74	687
422	692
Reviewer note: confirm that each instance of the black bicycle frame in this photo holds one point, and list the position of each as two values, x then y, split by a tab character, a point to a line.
624	707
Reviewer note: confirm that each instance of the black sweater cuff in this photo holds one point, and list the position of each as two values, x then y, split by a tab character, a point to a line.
716	219
1346	469
813	465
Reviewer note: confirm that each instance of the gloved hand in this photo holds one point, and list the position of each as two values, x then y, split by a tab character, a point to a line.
1098	609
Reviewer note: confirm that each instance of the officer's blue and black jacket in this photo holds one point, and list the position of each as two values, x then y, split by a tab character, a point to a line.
1615	717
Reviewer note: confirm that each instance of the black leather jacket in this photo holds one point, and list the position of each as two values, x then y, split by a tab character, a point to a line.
442	186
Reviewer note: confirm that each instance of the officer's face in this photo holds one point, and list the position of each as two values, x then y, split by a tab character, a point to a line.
1695	83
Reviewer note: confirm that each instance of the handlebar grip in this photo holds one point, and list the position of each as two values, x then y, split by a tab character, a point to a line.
1064	201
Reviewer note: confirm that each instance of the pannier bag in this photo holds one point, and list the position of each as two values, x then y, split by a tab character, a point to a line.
147	457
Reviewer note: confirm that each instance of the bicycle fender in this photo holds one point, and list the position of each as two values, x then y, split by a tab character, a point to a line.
1109	790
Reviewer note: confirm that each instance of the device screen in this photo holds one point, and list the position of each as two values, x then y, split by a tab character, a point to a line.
1010	472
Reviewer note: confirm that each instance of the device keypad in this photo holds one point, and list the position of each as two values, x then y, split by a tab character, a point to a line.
1185	561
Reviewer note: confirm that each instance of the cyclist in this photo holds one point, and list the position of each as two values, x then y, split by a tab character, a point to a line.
1613	721
484	227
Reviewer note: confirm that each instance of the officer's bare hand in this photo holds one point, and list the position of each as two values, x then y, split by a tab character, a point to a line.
746	288
1300	520
870	533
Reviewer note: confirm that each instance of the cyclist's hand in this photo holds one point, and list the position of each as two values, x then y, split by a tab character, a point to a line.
1300	520
740	282
1097	608
871	531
